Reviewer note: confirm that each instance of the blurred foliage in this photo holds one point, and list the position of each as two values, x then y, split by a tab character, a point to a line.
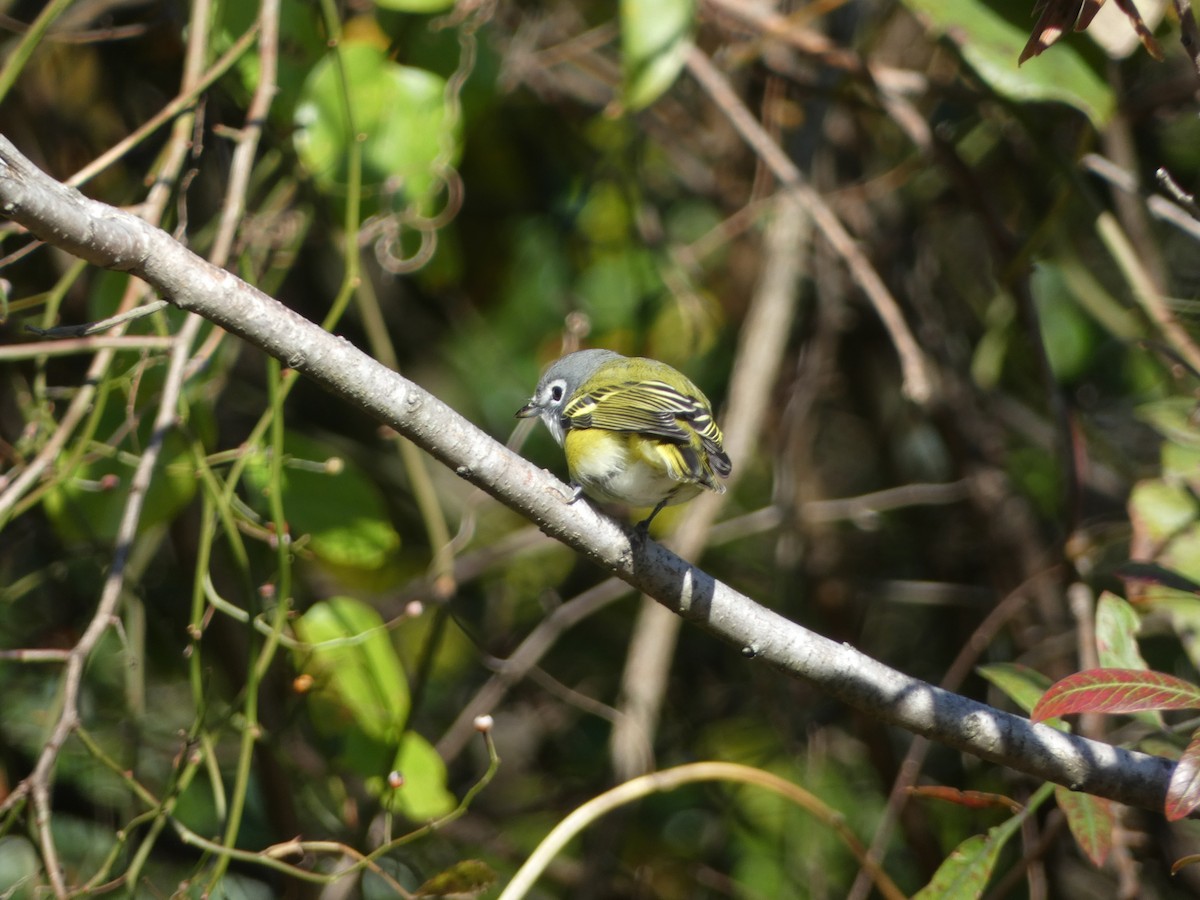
309	610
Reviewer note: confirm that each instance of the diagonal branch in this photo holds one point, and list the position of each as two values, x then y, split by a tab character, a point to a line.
108	237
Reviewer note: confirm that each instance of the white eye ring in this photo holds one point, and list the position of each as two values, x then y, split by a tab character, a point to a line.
557	391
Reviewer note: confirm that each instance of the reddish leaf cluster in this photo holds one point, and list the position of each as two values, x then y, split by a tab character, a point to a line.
1129	691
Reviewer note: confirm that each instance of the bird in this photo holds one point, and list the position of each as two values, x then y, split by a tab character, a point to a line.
634	430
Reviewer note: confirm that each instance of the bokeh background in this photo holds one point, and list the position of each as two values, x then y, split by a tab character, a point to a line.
467	192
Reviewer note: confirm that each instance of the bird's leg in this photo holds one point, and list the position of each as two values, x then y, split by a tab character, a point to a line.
644	526
576	491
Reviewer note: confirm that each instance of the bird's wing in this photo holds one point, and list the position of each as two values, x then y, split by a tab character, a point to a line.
652	408
646	407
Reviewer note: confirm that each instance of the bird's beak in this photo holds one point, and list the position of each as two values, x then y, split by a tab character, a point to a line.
528	411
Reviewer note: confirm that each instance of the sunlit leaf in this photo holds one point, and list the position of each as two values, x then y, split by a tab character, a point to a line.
1181	464
1178	606
1158	510
20	865
1119	32
1116	691
1117	626
350	655
655	38
1173	418
397	113
419	789
1116	633
415	6
991	44
1182	552
1183	790
1091	820
330	502
1023	685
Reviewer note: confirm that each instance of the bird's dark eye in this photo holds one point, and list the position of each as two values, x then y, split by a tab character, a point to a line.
556	393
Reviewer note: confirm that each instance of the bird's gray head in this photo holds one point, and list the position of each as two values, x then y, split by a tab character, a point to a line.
559	383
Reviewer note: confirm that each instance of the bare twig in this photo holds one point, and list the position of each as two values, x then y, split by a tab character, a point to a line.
1189	34
35	350
129	315
1180	196
182	102
151	210
918	380
37	784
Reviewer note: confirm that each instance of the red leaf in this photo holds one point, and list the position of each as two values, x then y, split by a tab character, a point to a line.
1091	820
1115	691
969	799
1183	792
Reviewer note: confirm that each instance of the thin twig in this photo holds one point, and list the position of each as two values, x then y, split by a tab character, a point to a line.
85	345
1189	33
151	211
37	784
83	330
917	379
182	102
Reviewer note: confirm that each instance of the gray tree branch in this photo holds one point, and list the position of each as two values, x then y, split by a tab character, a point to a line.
110	238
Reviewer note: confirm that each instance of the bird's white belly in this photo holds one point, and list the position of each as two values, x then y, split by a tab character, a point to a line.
611	472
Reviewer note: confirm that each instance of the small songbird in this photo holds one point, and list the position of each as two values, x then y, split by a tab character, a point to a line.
635	430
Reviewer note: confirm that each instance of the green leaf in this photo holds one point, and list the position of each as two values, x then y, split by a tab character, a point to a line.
1174	418
1117	626
1067	332
1091	820
655	38
1116	633
20	866
421	794
1160	510
969	867
1023	685
415	6
991	45
1183	613
351	657
1182	553
88	505
331	502
1181	464
399	112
